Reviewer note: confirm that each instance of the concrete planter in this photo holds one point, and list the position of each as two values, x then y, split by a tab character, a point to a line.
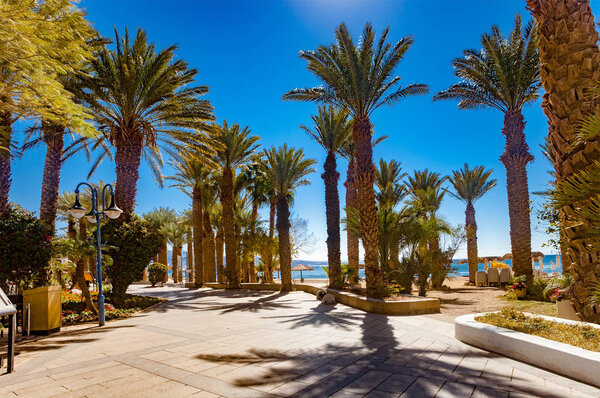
561	358
412	305
46	308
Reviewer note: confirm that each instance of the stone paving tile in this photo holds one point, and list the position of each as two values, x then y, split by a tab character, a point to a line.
228	344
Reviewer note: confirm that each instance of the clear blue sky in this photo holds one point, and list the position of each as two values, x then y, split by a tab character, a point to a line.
247	53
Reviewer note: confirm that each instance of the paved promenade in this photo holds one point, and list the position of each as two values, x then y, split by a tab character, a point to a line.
206	343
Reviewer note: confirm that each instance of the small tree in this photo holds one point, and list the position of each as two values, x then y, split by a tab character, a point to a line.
157	272
131	246
25	249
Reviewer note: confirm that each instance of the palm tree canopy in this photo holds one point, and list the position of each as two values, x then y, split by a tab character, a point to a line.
388	181
286	168
175	232
192	169
347	150
158	217
471	184
503	75
423	179
357	77
139	94
237	145
332	128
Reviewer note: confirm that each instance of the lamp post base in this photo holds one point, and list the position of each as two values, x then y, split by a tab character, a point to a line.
101	318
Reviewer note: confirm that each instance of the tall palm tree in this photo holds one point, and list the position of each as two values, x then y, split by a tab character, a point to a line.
287	169
504	75
143	99
358	78
568	41
236	149
176	233
332	130
191	174
469	186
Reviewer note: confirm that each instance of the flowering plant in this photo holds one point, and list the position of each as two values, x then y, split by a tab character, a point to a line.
560	294
519	286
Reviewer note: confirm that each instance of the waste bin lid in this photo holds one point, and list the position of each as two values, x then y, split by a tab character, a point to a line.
6	306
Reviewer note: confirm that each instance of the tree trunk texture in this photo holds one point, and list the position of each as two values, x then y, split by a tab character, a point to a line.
515	158
175	274
5	171
568	46
285	253
54	139
365	177
210	272
198	234
190	259
163	257
332	210
471	230
219	241
438	273
231	260
127	161
352	240
269	259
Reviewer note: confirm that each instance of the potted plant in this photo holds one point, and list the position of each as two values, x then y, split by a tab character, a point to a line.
564	308
520	289
25	253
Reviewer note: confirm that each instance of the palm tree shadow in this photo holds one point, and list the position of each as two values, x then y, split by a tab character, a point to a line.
270	302
321	315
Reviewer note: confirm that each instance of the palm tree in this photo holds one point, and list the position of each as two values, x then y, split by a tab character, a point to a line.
504	75
332	130
426	192
191	174
236	149
158	219
568	41
142	99
358	79
469	186
176	233
286	169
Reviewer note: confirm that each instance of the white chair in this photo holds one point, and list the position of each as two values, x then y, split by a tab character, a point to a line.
493	276
481	278
504	275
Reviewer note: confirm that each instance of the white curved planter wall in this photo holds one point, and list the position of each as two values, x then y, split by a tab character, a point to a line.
565	359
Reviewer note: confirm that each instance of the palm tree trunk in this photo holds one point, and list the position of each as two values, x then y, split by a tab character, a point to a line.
198	233
231	260
190	259
438	273
285	253
209	250
269	259
568	47
54	139
515	158
5	171
163	256
332	211
365	177
352	240
127	161
220	240
471	230
175	265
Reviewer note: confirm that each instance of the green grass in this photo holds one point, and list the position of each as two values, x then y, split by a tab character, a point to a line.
532	306
586	337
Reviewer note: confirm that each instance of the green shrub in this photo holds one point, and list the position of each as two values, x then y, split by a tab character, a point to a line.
157	272
536	290
25	249
131	245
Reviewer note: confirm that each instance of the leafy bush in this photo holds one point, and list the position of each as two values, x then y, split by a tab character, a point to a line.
131	245
25	249
561	282
157	272
536	290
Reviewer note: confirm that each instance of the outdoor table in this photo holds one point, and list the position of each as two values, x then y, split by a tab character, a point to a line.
8	309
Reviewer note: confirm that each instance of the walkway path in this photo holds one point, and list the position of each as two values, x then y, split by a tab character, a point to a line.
261	344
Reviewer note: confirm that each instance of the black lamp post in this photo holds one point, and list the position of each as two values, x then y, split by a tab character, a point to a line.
95	216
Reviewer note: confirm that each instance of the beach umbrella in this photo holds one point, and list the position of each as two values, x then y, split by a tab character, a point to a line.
302	267
532	263
541	261
507	256
551	265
